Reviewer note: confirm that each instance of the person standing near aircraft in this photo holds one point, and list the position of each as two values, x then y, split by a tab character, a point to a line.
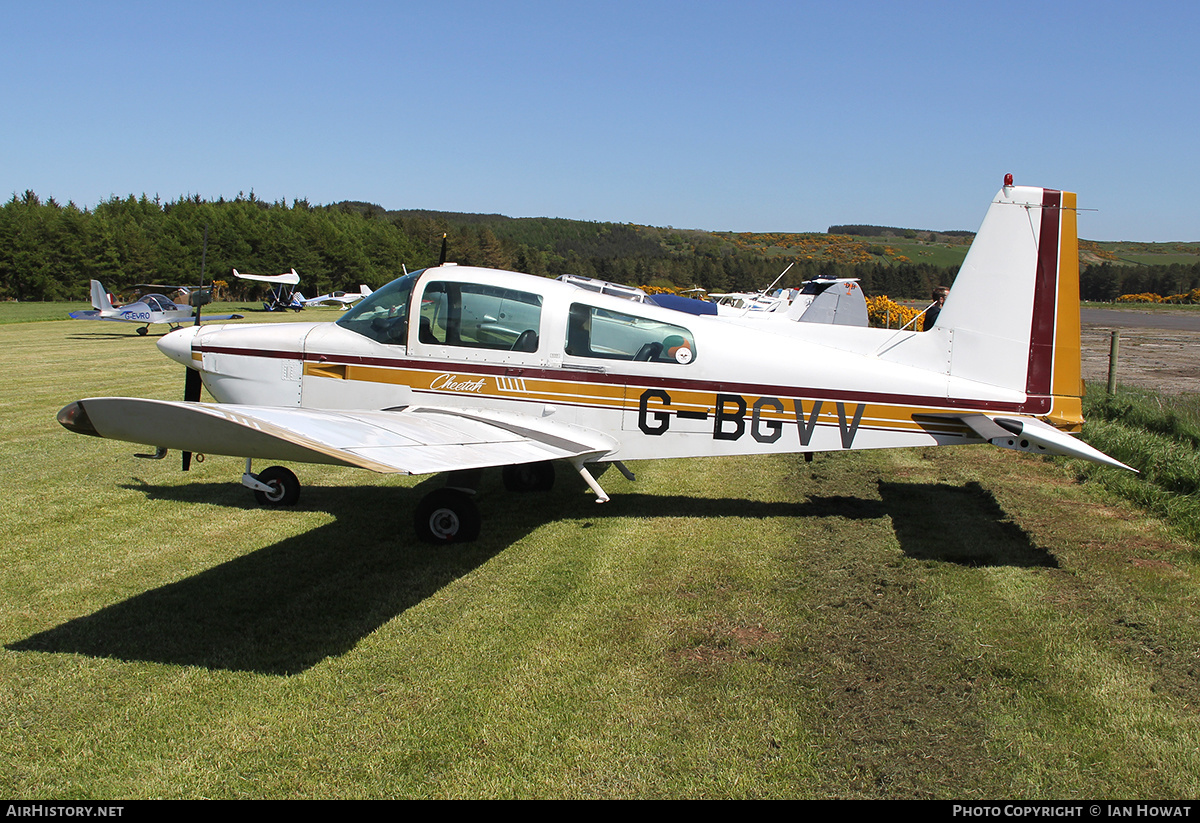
931	313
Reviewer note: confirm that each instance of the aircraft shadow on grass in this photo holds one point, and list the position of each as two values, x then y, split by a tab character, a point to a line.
959	524
286	607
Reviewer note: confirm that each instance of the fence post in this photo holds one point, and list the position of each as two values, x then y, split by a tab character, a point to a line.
1113	349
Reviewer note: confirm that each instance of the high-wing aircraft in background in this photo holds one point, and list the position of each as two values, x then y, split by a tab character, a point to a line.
454	369
283	294
147	309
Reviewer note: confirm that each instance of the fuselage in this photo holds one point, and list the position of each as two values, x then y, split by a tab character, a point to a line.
670	383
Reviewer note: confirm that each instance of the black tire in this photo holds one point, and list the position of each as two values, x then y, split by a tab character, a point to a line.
447	516
284	484
529	477
142	330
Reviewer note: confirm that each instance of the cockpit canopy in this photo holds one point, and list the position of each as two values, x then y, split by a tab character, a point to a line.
157	302
383	315
458	312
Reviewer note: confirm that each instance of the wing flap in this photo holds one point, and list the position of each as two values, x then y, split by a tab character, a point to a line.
412	440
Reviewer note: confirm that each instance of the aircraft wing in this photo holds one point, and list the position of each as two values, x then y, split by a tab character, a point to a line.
409	440
288	279
98	315
94	314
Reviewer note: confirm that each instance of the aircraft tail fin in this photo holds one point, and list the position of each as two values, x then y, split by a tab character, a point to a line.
1012	316
841	304
100	299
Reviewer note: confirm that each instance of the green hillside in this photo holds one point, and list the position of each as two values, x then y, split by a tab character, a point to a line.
49	251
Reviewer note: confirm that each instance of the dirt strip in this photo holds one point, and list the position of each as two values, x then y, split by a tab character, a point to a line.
1166	360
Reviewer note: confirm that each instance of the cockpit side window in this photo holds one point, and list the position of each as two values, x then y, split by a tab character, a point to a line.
383	316
480	316
609	335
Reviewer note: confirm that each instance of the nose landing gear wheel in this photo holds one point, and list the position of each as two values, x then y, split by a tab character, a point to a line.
447	516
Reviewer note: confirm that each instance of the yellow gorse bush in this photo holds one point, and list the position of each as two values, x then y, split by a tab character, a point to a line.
882	312
1192	296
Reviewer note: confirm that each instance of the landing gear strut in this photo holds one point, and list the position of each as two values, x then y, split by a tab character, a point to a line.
275	486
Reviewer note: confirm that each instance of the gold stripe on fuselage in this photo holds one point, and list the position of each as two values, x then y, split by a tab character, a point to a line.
628	397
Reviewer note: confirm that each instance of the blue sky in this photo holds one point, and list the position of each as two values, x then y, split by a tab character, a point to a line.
722	116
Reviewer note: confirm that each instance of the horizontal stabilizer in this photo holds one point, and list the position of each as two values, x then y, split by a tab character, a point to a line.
1032	435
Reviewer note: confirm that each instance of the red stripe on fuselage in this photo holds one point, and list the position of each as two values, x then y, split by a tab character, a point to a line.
1032	405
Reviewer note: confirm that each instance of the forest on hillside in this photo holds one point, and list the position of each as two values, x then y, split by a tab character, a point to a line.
1106	282
49	251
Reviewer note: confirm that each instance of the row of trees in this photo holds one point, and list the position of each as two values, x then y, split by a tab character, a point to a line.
1108	281
50	251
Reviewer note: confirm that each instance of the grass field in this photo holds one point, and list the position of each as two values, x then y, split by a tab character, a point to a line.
13	312
953	623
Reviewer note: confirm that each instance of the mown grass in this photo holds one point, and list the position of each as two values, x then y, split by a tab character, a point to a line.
1158	435
955	623
14	312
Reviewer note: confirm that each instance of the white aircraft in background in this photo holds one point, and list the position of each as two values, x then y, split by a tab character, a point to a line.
456	369
283	294
345	299
833	300
148	309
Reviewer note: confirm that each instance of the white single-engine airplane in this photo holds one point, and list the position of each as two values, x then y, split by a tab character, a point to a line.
345	299
455	369
834	300
149	308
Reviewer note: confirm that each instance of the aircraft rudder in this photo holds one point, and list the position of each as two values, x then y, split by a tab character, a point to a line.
100	300
1055	349
1067	377
1013	311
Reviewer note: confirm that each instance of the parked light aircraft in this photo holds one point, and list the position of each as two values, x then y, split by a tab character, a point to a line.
148	309
345	299
283	295
455	369
834	300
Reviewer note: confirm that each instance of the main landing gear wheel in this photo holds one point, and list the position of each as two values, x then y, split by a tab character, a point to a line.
285	487
447	516
529	477
142	330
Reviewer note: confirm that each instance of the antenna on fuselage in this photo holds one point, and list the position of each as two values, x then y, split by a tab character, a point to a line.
777	279
442	258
